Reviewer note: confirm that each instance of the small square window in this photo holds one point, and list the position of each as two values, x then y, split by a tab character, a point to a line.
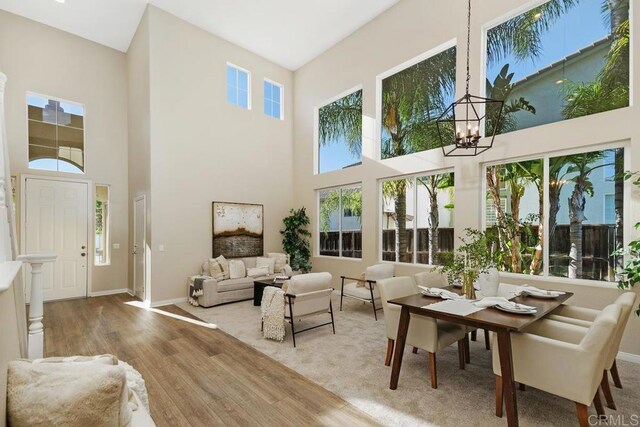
273	99
238	87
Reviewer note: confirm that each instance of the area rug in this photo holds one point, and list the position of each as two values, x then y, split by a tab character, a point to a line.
351	364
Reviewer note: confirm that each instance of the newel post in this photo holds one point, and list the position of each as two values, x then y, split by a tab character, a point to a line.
36	309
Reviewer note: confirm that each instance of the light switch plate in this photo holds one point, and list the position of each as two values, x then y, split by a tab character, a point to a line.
161	248
116	246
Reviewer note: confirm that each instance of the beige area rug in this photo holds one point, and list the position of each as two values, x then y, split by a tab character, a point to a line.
351	364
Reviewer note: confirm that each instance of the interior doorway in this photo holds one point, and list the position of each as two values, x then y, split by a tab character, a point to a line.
139	247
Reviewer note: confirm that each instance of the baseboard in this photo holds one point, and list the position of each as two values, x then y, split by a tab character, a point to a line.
110	292
628	357
168	302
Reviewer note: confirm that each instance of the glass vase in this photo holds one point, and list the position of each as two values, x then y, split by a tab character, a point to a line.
467	285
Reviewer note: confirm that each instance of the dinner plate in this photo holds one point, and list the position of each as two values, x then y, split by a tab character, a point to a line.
514	310
429	294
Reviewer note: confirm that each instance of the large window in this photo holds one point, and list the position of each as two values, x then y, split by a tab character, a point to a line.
412	100
340	133
102	225
560	60
273	99
238	86
56	134
581	206
340	227
417	218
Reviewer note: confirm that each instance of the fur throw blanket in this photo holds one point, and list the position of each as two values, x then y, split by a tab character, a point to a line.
272	308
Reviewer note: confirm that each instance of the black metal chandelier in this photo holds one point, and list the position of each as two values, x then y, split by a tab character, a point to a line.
460	125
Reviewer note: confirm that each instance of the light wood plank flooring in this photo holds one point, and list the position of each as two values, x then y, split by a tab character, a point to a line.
194	375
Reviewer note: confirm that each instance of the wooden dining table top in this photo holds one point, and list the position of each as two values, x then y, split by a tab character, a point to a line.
489	318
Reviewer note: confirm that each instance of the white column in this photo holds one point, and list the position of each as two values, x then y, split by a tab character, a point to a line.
36	309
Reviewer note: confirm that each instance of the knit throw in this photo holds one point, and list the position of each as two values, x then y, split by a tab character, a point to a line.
196	285
272	308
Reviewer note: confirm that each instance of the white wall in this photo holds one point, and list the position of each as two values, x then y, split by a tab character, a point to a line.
204	149
405	31
47	61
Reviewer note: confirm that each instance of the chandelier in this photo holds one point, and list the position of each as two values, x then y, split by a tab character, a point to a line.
461	124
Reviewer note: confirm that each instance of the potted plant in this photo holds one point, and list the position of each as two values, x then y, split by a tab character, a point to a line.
629	276
295	239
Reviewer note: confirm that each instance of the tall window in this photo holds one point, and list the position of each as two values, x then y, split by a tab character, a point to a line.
273	99
412	100
102	225
238	86
583	212
557	61
417	218
340	226
340	133
56	134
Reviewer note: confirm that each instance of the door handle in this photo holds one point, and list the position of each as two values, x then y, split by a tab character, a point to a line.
83	254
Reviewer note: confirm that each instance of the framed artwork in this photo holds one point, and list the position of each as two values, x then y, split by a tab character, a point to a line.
238	229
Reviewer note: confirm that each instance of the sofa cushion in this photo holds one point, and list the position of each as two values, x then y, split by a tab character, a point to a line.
257	272
364	293
235	284
266	262
237	269
249	262
281	261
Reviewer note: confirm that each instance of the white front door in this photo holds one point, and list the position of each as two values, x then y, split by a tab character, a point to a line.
139	247
56	221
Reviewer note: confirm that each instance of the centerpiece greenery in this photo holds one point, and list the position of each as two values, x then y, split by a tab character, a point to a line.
629	276
295	239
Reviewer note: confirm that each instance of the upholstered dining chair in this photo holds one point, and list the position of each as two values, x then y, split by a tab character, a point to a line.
424	332
571	370
365	289
584	317
308	295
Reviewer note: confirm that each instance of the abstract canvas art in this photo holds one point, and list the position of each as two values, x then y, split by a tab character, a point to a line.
237	230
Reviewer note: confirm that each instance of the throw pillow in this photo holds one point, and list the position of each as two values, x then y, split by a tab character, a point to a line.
219	268
236	269
270	263
281	261
361	282
287	270
257	271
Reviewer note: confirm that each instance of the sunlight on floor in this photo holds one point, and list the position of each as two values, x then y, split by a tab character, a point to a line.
144	306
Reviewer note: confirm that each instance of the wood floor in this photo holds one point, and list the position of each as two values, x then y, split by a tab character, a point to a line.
194	375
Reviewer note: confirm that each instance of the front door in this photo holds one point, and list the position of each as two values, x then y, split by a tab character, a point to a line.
139	247
56	221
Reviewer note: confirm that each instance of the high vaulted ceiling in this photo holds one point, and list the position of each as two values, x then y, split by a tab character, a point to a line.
287	32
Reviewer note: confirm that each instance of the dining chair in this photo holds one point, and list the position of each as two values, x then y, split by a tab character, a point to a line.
584	317
424	333
308	295
364	288
570	367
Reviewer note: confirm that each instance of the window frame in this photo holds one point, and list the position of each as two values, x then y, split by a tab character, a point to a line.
281	87
316	127
84	133
249	88
394	70
107	224
340	218
380	214
546	156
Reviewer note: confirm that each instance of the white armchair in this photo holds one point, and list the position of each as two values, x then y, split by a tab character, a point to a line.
424	332
366	291
570	369
308	295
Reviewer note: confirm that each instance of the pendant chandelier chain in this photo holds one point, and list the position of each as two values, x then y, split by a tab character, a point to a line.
468	44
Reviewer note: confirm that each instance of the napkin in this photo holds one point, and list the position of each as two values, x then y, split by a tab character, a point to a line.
442	293
532	290
493	301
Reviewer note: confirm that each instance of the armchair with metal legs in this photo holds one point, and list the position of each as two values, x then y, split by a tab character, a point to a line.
365	289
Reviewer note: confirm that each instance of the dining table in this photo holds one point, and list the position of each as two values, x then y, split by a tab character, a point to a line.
503	324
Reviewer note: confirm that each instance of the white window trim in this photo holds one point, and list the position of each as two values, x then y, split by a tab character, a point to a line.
237	67
84	132
316	124
281	86
108	225
627	226
317	225
380	77
380	214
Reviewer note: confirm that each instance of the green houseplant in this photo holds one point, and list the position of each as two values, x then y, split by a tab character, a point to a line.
295	239
629	276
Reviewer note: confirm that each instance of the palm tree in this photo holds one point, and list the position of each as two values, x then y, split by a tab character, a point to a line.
433	184
342	119
500	89
396	191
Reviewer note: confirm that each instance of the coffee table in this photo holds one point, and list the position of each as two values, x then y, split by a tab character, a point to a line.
258	288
